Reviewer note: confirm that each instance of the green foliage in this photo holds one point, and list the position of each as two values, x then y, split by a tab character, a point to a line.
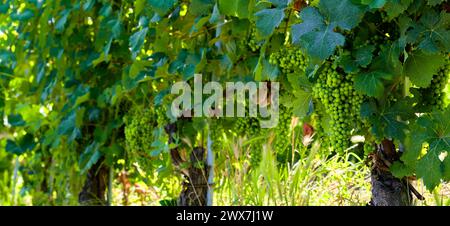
434	95
431	129
316	33
388	120
238	8
24	144
420	68
161	7
396	7
371	83
267	20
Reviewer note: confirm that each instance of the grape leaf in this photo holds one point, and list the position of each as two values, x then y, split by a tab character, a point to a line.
312	21
400	170
395	117
59	26
316	33
267	20
24	144
301	102
299	82
374	4
322	43
363	55
139	6
13	147
4	7
420	67
266	71
371	83
446	163
136	41
280	3
388	59
433	129
432	32
16	120
201	7
89	157
429	169
22	16
68	126
161	7
343	13
237	8
388	120
346	62
215	15
394	8
434	2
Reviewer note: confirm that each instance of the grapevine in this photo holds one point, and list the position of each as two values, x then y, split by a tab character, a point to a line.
87	87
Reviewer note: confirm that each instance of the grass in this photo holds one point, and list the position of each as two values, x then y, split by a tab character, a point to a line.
313	180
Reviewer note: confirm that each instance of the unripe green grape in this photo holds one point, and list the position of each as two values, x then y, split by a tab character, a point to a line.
139	126
252	43
433	95
289	59
162	119
250	127
282	141
341	102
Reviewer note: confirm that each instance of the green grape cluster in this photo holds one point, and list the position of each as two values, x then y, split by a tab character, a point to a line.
289	59
341	102
250	126
282	142
433	96
139	126
252	42
247	126
379	39
161	117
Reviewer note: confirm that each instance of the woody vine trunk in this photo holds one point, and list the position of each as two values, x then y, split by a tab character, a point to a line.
388	190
